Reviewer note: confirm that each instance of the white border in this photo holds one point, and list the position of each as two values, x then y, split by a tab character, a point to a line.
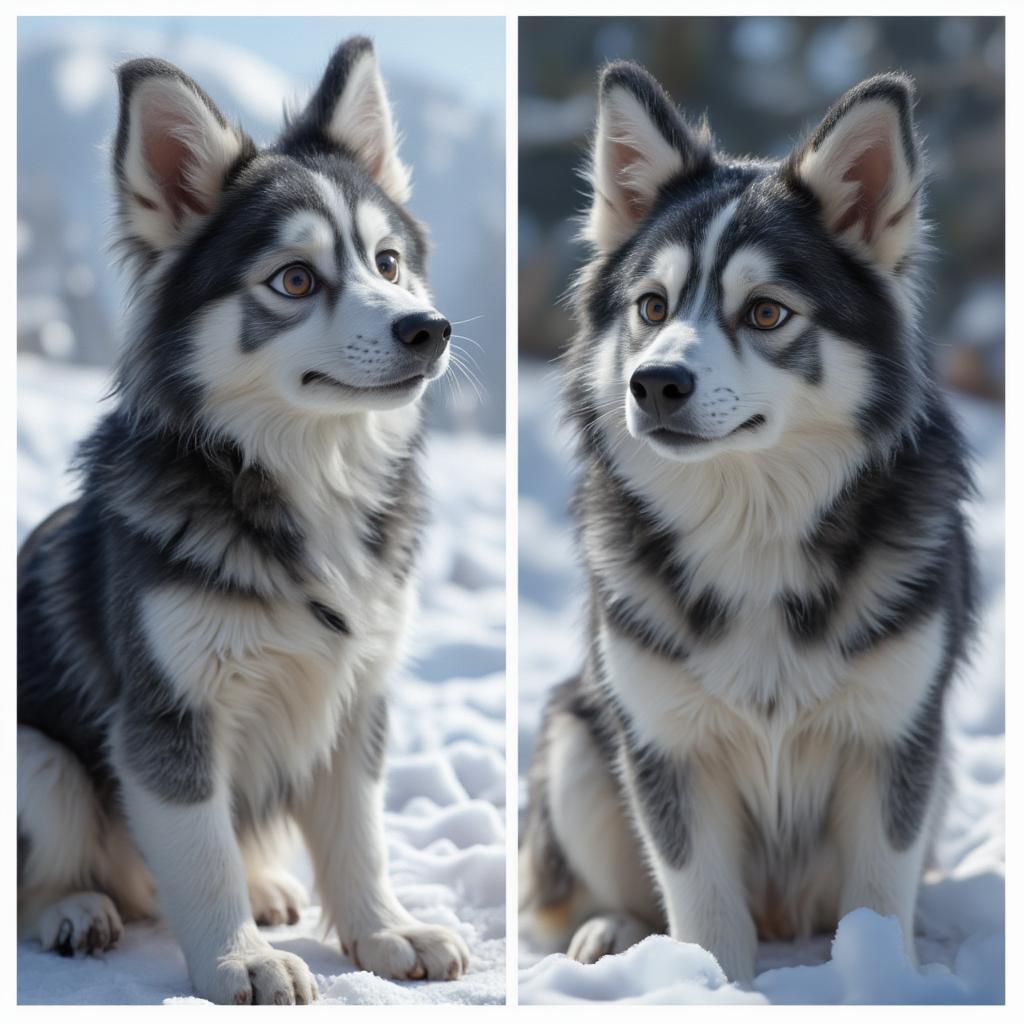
510	9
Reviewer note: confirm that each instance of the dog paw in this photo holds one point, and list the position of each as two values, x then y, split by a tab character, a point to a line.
604	935
85	922
266	977
411	951
276	898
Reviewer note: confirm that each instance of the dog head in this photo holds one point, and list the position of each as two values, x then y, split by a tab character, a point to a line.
285	281
734	303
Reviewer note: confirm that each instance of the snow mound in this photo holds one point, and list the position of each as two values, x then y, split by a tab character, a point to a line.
657	970
868	965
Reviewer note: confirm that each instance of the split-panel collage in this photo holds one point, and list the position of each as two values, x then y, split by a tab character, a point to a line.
510	509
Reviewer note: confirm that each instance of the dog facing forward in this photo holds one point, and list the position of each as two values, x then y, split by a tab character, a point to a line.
770	517
205	635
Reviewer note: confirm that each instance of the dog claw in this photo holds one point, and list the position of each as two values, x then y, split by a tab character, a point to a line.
63	945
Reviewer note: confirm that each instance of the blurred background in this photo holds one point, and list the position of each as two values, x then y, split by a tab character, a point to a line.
763	83
446	81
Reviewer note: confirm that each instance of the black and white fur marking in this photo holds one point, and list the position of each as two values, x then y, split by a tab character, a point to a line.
781	583
206	634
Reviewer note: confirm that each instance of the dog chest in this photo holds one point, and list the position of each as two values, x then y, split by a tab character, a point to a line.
277	678
760	680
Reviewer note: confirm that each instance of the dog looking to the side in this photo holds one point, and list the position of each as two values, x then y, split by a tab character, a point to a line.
206	634
770	515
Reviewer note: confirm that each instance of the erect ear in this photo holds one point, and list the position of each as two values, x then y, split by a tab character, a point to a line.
172	154
350	110
641	143
863	164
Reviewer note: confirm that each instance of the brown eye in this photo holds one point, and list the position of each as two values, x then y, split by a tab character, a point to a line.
295	281
387	265
653	308
766	315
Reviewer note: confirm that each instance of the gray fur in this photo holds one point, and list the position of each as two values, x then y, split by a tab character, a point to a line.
661	786
375	737
912	769
167	746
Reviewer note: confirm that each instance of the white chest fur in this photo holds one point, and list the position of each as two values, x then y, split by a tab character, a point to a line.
277	682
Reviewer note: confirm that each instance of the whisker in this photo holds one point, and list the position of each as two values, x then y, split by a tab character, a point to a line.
472	341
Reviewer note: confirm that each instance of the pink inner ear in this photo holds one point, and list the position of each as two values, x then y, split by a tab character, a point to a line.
623	157
168	158
872	171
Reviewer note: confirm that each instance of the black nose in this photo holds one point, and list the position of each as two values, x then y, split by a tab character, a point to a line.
426	334
661	390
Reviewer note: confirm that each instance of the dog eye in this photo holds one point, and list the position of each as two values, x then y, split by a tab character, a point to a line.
765	315
296	281
387	265
653	308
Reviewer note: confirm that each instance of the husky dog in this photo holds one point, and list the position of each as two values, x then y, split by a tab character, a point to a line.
770	516
205	635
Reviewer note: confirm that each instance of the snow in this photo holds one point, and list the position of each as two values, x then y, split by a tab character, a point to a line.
445	801
960	928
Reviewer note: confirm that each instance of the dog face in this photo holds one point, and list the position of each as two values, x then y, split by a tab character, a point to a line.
288	281
732	304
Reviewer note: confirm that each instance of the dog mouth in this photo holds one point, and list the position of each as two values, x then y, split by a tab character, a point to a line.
682	439
315	377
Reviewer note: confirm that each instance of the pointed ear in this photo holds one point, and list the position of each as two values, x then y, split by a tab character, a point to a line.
641	143
863	164
172	155
350	111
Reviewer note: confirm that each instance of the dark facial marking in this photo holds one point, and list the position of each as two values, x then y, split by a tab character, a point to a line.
260	324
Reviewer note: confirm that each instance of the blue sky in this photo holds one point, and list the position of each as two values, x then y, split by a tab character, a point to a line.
465	53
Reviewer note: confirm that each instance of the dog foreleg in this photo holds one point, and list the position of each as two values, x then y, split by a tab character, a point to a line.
883	839
181	821
343	821
691	828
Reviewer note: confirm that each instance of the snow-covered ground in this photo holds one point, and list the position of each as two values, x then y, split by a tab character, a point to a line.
446	788
960	931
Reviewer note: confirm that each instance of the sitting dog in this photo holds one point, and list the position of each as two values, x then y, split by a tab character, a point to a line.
205	635
769	513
